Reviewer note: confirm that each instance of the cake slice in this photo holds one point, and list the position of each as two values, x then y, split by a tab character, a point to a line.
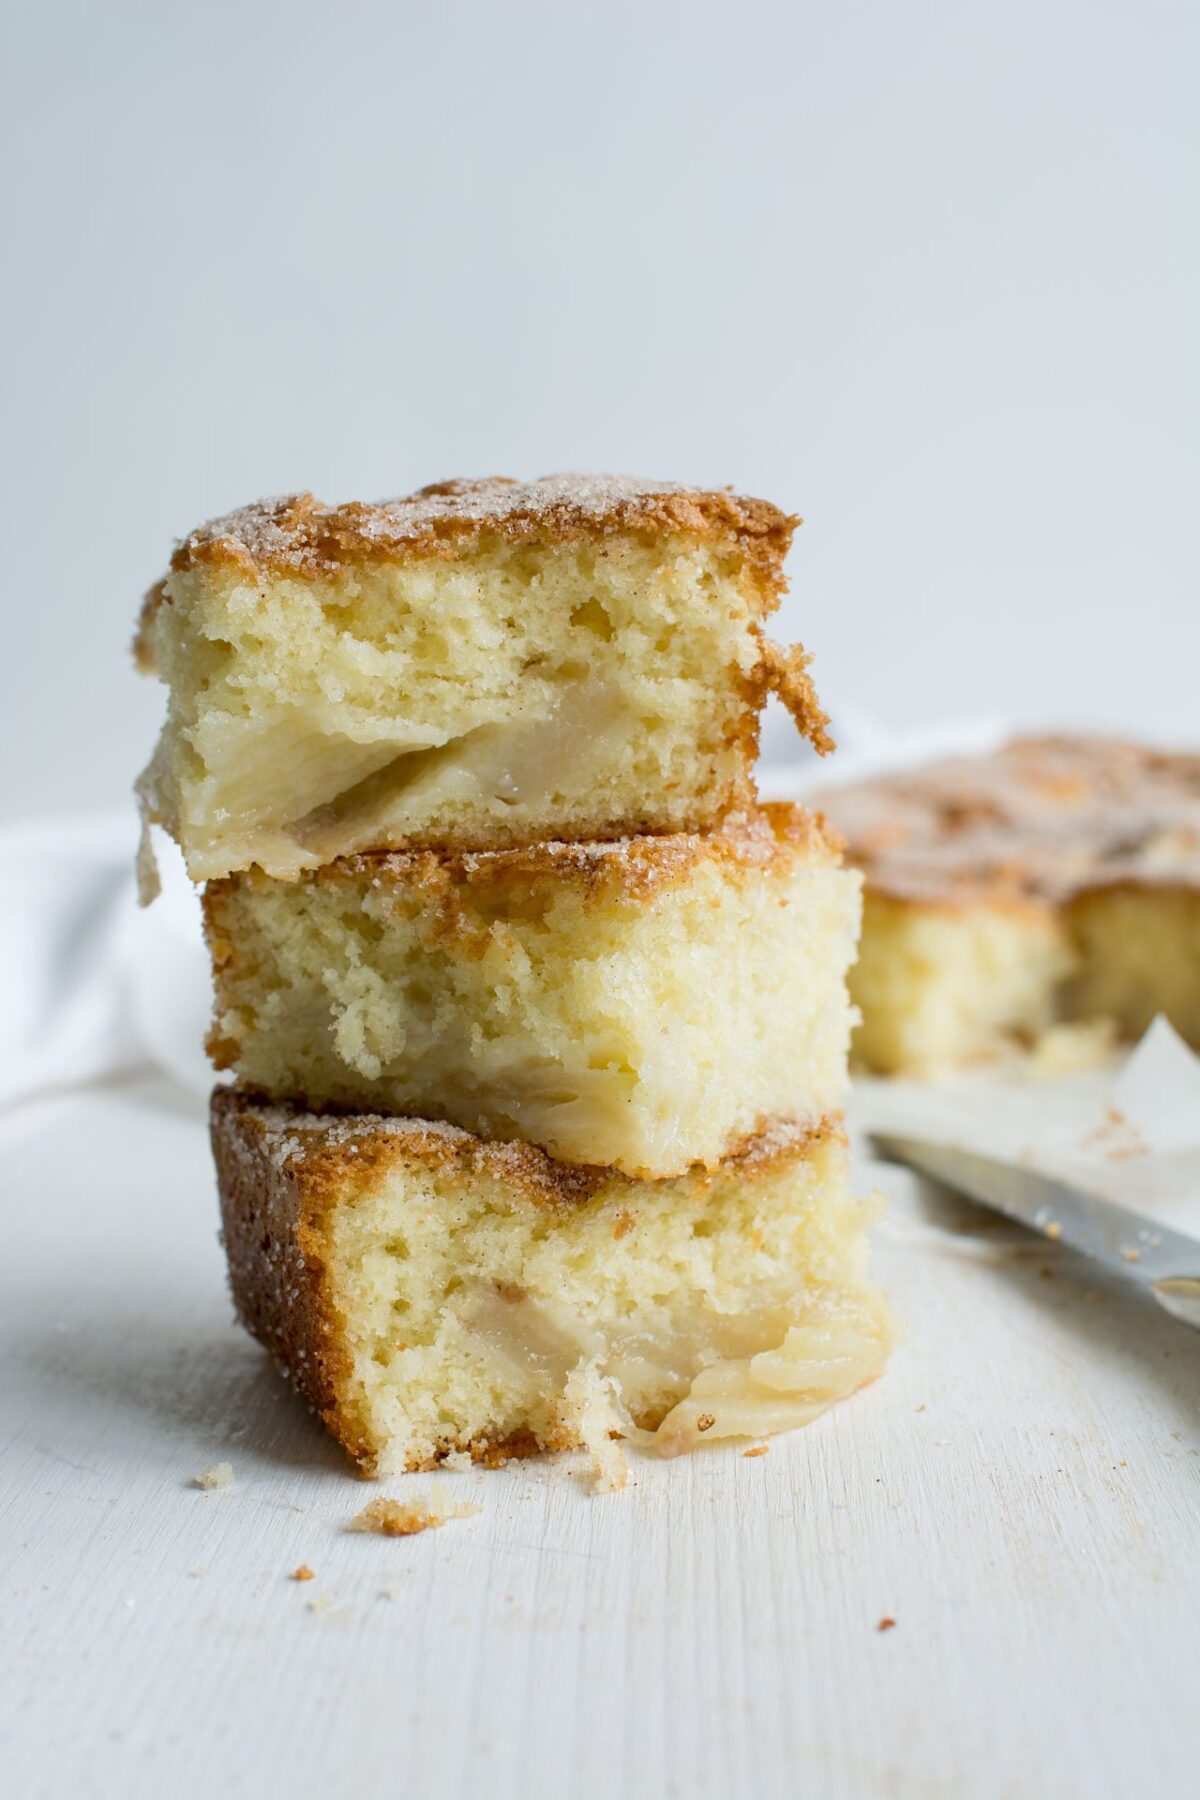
482	664
1055	881
647	1003
430	1293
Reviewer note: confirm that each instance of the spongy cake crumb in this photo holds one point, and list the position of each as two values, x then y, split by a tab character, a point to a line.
1072	1048
589	1411
748	931
217	1476
399	1518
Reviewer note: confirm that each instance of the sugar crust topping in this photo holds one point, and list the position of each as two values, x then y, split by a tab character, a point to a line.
1041	820
773	837
332	1151
300	532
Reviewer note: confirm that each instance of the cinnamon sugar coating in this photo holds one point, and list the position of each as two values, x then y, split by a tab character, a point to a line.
300	531
773	835
339	1154
1040	821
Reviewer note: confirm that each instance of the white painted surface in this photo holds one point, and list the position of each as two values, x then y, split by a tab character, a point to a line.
1021	1493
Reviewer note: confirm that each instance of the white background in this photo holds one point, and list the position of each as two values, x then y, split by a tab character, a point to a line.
926	273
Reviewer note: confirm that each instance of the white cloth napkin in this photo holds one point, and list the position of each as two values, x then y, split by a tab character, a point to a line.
93	986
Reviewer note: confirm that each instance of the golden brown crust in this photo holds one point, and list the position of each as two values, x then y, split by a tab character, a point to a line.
144	660
340	1151
785	671
283	1173
299	533
882	903
405	1518
601	870
276	1246
1035	824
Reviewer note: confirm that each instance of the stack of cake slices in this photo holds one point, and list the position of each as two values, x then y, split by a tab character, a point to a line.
539	1023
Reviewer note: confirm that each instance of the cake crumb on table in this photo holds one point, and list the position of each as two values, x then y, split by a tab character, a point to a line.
757	1450
589	1413
303	1573
886	1624
212	1479
400	1518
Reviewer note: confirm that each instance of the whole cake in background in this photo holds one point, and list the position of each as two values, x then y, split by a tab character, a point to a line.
540	1024
1053	883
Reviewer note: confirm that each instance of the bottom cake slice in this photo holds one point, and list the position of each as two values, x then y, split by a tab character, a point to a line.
430	1293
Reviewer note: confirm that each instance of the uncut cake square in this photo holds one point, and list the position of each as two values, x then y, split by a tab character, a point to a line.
432	1294
648	1003
483	663
1052	883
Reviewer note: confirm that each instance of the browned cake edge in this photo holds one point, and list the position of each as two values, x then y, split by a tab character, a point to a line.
282	1174
756	841
298	531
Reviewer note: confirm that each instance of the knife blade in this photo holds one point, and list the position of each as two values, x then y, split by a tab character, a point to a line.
1163	1262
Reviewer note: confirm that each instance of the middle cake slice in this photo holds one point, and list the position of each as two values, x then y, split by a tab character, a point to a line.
647	1004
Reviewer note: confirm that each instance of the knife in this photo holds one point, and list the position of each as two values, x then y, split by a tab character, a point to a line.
1164	1263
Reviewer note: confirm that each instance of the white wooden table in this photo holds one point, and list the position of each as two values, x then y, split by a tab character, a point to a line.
1021	1494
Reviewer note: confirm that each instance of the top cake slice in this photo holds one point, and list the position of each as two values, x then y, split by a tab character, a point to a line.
480	665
